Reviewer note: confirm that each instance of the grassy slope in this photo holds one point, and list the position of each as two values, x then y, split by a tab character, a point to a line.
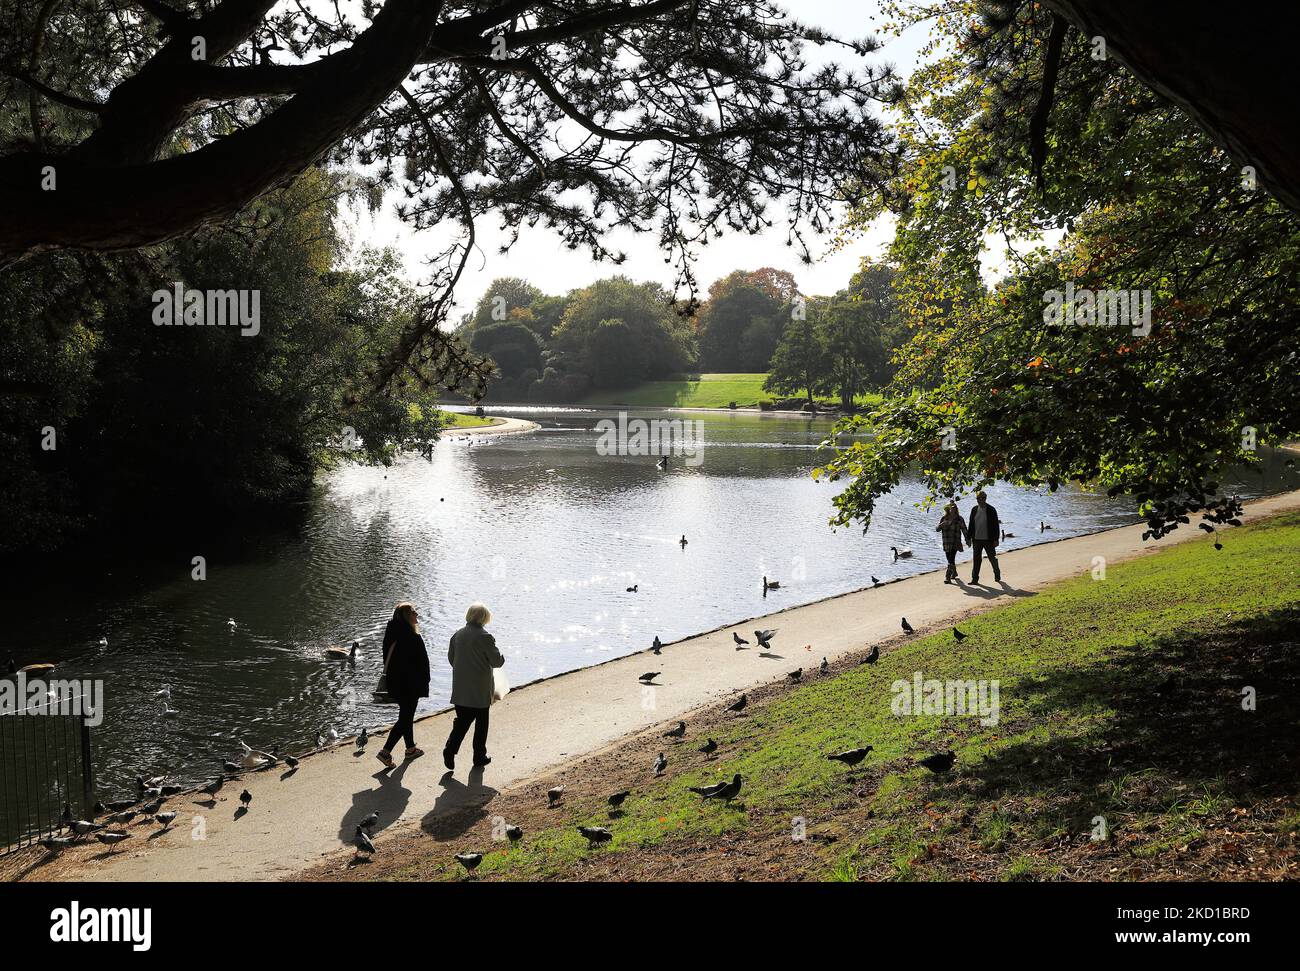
1191	785
460	419
699	391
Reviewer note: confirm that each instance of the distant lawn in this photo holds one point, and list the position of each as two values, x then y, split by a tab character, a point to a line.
1123	751
460	419
694	391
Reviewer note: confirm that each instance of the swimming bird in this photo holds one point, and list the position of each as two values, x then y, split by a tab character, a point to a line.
649	677
796	674
246	798
164	692
370	822
662	463
657	645
728	792
682	541
907	628
764	637
595	835
514	833
1042	525
231	624
361	840
771	584
165	819
554	795
103	642
958	635
633	588
618	798
901	553
363	738
678	732
939	762
1007	536
852	757
874	656
824	666
342	654
168	711
661	763
739	704
738	639
469	861
709	747
111	839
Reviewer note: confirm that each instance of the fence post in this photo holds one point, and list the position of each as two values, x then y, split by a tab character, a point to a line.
87	772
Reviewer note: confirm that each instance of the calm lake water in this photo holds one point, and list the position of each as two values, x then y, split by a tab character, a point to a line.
541	527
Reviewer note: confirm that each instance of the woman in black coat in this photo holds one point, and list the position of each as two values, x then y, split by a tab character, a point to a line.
406	668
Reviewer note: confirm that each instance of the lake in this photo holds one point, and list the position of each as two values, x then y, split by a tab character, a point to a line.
541	527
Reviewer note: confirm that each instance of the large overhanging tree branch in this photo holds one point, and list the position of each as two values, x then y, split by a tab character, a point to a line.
680	117
1232	70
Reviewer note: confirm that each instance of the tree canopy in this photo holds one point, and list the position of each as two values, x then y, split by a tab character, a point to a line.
125	123
1156	401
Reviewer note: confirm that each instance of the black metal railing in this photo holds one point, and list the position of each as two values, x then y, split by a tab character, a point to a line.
45	765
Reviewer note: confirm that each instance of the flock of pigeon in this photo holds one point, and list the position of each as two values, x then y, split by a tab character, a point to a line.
724	790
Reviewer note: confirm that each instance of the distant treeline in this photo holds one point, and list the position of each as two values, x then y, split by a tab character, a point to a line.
617	333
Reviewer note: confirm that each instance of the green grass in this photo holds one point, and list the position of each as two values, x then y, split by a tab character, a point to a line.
460	419
694	391
1083	733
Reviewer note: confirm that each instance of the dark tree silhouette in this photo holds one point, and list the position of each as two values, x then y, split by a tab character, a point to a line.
129	122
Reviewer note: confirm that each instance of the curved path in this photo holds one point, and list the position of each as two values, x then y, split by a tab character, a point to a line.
294	821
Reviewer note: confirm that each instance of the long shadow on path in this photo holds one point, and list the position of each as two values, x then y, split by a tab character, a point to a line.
389	800
460	807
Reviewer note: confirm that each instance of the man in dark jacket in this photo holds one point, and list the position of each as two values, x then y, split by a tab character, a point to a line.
984	532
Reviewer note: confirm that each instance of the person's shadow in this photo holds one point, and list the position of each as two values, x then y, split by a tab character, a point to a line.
987	592
389	801
459	807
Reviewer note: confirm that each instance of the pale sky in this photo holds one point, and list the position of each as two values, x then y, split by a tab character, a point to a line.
537	257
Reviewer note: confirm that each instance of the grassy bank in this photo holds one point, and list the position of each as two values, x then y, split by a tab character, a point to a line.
697	391
1121	700
460	419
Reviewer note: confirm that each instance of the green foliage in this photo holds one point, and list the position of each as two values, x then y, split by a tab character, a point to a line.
740	324
619	332
195	423
1145	203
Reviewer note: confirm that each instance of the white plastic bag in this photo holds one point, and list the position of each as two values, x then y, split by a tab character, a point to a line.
500	686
